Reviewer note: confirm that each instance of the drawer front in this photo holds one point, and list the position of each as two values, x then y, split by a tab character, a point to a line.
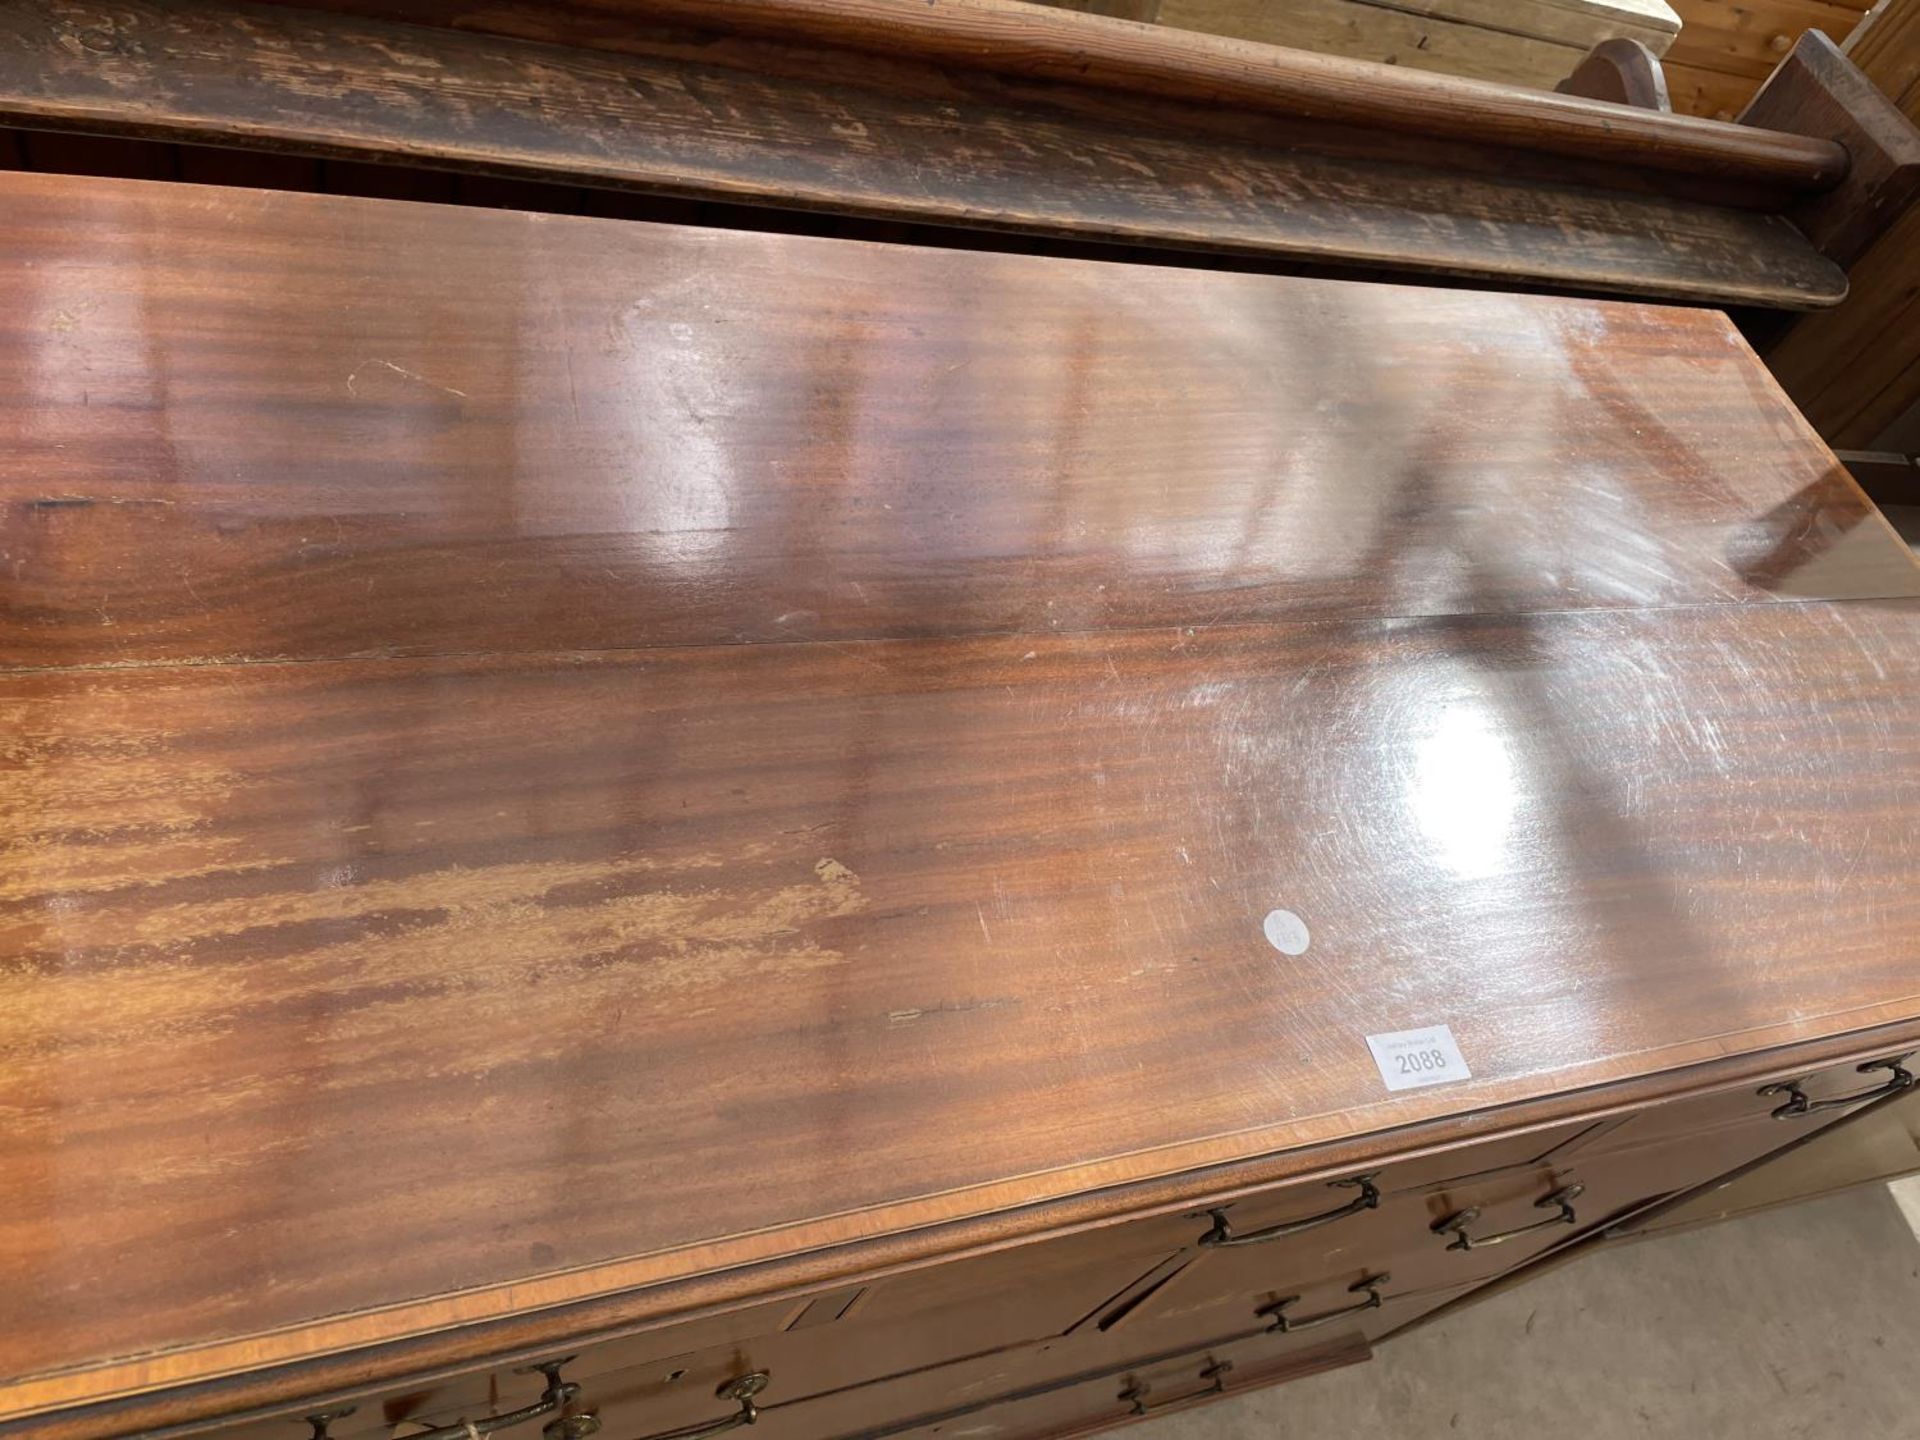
489	1391
1071	1402
1360	1265
1793	1107
1353	1257
1211	1309
1070	1286
867	1345
1043	1380
1349	1213
1441	1238
667	1378
1556	1143
981	1309
641	1407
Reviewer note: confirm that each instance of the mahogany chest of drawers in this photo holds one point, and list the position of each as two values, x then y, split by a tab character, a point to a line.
638	828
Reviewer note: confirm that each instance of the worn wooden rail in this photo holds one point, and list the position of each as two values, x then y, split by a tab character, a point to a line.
1010	38
924	147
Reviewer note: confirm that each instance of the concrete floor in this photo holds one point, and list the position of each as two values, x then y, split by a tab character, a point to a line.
1797	1322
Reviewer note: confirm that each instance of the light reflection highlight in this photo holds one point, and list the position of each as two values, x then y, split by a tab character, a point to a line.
1462	792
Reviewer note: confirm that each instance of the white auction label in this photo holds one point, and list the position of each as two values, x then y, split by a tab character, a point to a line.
1286	932
1411	1058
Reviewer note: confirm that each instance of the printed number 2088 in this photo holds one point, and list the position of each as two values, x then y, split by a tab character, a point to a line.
1417	1062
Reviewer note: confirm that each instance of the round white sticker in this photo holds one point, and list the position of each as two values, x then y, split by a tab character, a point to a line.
1286	932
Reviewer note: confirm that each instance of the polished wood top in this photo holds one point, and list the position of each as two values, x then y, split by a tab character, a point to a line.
249	425
543	756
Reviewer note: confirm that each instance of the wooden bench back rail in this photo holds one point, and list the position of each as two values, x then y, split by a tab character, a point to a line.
1009	37
547	95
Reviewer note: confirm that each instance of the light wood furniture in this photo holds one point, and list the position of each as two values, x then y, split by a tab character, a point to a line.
1725	48
1714	53
1516	42
711	805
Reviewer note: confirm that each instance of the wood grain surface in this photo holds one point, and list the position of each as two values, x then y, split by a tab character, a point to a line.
1094	50
1858	374
724	119
1623	71
280	426
543	756
1818	90
1725	48
1502	44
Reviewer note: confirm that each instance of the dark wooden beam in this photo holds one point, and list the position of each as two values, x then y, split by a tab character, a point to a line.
1008	37
333	85
1855	371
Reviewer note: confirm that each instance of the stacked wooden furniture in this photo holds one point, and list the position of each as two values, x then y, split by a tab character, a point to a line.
638	827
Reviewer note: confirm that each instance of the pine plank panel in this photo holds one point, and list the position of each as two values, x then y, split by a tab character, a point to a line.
1749	38
1712	94
1392	36
1889	51
1372	29
1581	22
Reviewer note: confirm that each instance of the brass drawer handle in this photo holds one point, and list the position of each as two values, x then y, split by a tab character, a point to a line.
742	1388
1456	1225
1222	1231
1136	1391
1286	1325
1799	1104
555	1398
